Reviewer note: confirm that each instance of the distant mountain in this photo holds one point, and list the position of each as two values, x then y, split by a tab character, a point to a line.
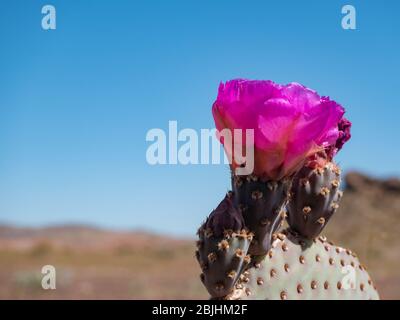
80	237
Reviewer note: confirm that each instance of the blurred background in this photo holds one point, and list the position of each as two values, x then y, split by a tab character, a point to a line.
77	102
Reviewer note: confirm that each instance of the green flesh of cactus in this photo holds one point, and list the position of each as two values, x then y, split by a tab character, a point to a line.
296	268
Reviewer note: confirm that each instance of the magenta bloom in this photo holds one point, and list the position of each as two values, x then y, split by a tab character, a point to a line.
344	136
290	122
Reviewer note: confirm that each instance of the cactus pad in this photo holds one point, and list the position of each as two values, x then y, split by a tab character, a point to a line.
222	249
314	198
297	268
261	204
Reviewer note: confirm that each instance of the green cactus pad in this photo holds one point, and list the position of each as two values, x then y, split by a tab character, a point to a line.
295	268
222	259
314	197
261	204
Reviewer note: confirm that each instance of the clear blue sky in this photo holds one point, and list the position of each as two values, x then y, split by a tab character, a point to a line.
76	103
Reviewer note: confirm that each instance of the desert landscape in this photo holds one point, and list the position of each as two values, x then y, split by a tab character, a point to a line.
93	263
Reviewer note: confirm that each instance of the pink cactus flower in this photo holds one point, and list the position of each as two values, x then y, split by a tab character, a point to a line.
321	158
344	127
290	122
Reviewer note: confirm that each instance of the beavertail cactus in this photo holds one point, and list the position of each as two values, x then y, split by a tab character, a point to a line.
240	250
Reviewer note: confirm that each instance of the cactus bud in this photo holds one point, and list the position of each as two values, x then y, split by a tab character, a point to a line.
225	217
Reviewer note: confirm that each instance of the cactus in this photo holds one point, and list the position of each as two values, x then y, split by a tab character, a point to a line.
296	268
241	252
297	265
294	263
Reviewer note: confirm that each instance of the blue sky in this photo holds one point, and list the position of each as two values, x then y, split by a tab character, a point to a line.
76	102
